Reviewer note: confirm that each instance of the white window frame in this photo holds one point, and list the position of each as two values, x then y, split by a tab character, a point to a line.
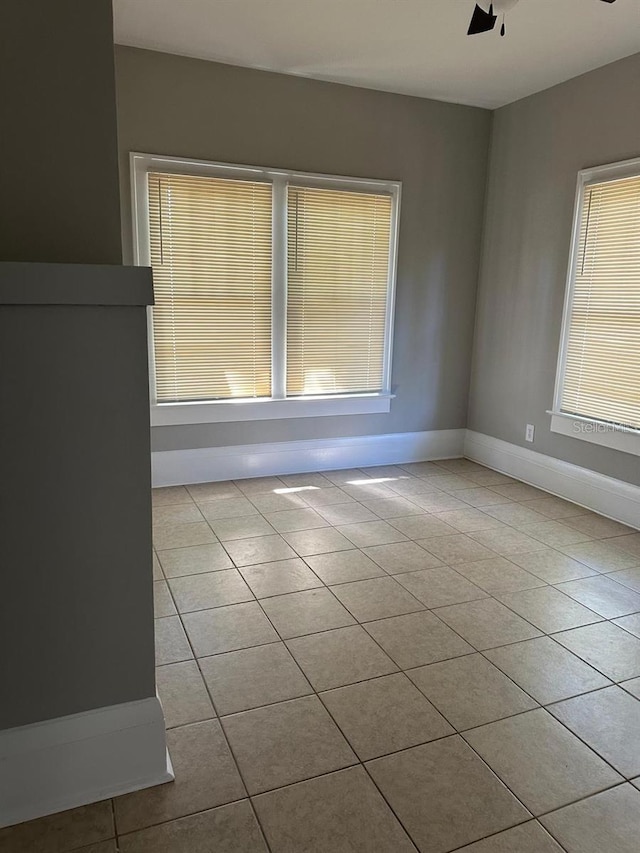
278	405
583	428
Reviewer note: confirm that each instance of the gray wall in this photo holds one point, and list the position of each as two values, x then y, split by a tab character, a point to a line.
76	609
538	146
58	173
177	106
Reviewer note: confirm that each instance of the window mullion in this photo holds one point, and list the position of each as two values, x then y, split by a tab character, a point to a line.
279	290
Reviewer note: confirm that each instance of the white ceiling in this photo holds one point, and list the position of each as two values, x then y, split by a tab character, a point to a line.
415	47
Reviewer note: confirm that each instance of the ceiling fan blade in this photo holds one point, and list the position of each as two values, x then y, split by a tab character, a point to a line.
482	22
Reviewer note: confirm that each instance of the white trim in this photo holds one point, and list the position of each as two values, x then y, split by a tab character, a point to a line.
605	495
209	464
268	408
597	432
167	414
614	437
70	761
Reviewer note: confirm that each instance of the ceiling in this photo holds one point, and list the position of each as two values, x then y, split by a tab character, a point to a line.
415	47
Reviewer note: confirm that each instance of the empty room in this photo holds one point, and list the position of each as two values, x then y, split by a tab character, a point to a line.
320	377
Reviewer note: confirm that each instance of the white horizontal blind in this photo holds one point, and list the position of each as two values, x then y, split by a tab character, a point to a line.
210	241
602	370
337	284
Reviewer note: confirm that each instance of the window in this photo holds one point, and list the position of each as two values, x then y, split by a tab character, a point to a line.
597	394
273	290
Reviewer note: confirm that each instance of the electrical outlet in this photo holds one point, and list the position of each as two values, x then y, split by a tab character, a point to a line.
529	433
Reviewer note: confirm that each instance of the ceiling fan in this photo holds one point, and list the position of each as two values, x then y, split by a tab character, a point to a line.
483	21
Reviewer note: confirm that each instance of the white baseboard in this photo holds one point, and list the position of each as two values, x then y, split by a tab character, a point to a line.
605	495
70	761
209	464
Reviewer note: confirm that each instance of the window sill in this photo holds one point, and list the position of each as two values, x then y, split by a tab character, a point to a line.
596	432
173	414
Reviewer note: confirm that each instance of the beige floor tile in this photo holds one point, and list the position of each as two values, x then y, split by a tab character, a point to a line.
315	480
170	496
206	776
227	829
515	514
460	465
433	500
439	587
468	520
384	715
162	602
60	832
300	613
599	527
449	482
260	549
253	677
347	513
158	574
552	566
609	722
288	520
546	670
176	514
630	623
603	595
326	496
607	647
369	489
376	598
549	609
339	813
470	691
423	526
609	822
183	695
507	541
279	577
627	577
214	589
479	496
630	543
385	471
488	478
322	541
632	686
417	639
541	761
458	548
344	566
445	795
601	556
172	645
227	508
529	837
279	502
487	623
339	657
225	629
173	535
346	475
371	533
193	560
555	533
402	557
100	847
202	492
498	575
247	527
285	743
421	469
259	485
393	507
555	508
519	492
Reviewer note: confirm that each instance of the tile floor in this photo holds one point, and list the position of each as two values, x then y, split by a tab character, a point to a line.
427	657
